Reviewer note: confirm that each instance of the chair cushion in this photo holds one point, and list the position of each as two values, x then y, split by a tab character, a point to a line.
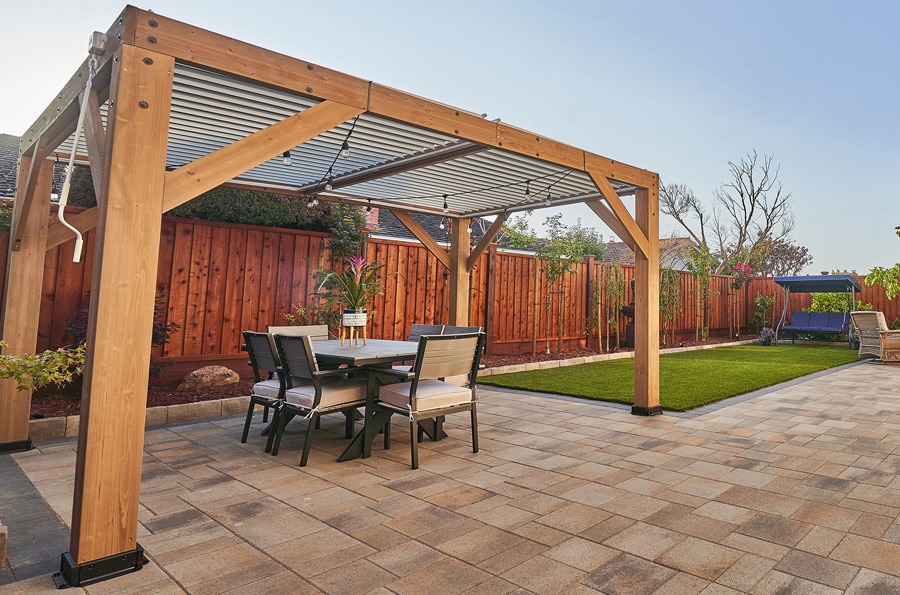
335	392
430	394
267	388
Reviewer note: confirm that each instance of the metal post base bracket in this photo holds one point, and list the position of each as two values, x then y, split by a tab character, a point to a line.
76	575
646	411
18	446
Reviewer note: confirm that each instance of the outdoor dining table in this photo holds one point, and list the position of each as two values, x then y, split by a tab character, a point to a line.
374	353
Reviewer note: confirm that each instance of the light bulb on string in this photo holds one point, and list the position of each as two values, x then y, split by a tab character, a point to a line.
329	184
345	149
286	158
547	201
527	187
369	207
446	208
442	226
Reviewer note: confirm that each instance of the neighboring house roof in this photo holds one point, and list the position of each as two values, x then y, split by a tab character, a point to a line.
9	154
9	167
674	253
388	226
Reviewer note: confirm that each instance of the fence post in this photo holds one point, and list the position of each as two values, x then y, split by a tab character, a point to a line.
590	286
490	280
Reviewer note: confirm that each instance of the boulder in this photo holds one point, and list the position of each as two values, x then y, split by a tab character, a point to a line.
209	376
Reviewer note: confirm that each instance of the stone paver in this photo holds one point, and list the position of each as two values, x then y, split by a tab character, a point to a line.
791	490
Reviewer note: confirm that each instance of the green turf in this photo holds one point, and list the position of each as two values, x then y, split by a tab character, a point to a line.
687	380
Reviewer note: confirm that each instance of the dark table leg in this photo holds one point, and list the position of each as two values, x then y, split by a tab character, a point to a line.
433	428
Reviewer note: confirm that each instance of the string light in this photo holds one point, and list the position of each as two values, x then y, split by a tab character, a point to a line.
527	187
314	201
446	208
286	158
345	148
547	201
329	184
369	208
442	226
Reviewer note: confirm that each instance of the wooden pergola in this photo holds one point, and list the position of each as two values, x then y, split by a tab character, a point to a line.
174	111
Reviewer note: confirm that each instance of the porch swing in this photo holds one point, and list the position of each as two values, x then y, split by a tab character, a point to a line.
834	323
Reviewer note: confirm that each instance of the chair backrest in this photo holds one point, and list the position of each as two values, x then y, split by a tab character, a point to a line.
461	330
867	320
448	355
315	331
417	330
297	357
262	357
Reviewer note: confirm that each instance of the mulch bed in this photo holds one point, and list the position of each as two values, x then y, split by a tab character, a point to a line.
55	404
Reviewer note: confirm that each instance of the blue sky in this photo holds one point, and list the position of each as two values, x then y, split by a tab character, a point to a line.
680	88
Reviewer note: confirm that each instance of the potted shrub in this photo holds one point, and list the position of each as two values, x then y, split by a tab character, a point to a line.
354	288
766	335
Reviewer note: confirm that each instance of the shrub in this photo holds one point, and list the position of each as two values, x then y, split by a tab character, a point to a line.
59	367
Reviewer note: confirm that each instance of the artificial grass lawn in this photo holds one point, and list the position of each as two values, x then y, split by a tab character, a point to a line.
687	380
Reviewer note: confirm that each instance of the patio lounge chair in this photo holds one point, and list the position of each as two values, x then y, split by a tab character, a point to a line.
312	392
268	386
875	338
422	394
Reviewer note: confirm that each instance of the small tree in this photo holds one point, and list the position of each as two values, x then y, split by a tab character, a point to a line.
889	279
669	300
615	299
560	252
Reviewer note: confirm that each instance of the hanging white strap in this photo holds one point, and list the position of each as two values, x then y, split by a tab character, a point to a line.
98	41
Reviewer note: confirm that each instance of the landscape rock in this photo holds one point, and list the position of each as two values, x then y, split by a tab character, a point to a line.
209	376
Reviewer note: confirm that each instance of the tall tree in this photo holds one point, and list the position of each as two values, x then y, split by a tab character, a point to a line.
780	257
747	211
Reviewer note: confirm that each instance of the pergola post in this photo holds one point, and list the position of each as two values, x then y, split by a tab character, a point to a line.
459	272
22	303
114	398
646	306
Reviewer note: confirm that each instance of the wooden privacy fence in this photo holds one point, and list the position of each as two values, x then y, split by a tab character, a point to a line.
216	280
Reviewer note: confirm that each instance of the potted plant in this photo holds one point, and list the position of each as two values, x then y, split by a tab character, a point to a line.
354	288
766	336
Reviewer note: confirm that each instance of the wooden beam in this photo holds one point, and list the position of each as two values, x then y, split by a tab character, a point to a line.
95	139
459	274
58	120
486	240
610	219
209	171
199	46
22	297
646	306
423	236
27	189
618	171
83	222
114	397
212	50
637	237
220	166
400	165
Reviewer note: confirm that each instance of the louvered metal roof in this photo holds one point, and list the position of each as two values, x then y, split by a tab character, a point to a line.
211	110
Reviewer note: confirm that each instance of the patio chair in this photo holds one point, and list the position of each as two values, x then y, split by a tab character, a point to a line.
312	392
422	394
875	338
268	386
416	331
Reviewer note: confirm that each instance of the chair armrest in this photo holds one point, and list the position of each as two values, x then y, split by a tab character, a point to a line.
401	374
336	372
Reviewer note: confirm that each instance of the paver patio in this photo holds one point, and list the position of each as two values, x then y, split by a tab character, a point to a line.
793	490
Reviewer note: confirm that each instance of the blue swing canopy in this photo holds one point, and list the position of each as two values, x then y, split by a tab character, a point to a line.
819	283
